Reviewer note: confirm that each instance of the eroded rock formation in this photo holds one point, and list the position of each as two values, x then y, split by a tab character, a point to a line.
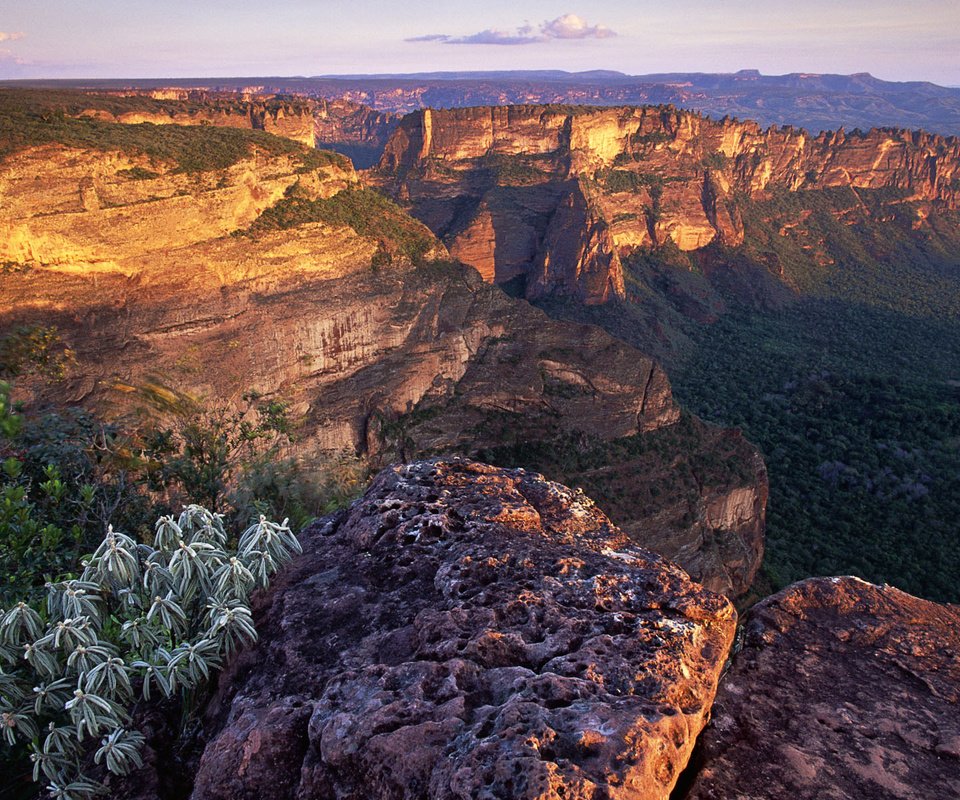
463	632
842	689
493	183
138	270
287	117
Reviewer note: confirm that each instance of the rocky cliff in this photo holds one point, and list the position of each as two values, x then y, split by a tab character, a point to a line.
353	129
212	283
554	193
465	631
85	211
841	689
288	117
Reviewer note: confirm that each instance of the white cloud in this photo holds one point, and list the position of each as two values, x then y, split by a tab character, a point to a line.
569	26
11	37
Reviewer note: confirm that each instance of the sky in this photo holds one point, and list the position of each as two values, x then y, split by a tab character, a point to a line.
892	39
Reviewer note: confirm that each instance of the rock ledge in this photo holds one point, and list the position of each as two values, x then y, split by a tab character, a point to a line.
469	632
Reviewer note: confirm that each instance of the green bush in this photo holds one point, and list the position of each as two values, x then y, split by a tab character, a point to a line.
140	621
366	211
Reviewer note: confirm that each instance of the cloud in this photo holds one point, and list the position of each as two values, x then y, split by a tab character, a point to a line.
11	37
569	26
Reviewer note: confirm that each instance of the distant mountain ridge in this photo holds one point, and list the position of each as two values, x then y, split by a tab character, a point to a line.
811	100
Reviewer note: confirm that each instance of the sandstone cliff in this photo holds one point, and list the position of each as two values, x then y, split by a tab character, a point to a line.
288	117
841	689
493	183
85	211
465	631
134	262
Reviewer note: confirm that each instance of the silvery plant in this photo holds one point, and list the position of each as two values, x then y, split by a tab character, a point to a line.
140	621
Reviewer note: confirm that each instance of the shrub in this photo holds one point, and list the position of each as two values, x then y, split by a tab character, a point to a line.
140	621
366	211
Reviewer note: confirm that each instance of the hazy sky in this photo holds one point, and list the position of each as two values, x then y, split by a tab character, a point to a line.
895	40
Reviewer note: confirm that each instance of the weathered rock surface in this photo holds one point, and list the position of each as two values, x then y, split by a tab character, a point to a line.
467	632
842	689
76	210
645	176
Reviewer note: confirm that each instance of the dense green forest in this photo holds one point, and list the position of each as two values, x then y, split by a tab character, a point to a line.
857	412
850	384
831	337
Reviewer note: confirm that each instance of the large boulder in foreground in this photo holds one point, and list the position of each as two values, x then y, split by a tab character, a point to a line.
842	689
469	632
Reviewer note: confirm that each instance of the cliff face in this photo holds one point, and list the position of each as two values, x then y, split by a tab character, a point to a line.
292	119
143	281
841	689
646	176
353	129
466	631
86	211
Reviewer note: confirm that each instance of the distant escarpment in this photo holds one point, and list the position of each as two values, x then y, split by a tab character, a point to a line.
353	129
283	276
841	689
556	197
466	631
290	117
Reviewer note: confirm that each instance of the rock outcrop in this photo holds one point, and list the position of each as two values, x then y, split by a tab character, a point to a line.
289	117
643	177
465	631
842	689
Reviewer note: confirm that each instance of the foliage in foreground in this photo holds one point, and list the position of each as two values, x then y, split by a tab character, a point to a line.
140	621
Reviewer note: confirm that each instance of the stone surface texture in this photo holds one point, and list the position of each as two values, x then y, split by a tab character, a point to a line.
842	689
468	632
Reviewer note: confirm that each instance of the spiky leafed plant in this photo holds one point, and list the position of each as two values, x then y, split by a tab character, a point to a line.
141	621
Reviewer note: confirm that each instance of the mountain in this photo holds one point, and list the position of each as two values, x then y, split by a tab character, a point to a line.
814	101
556	197
279	273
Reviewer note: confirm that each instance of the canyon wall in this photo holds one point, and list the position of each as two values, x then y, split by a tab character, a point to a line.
158	279
554	194
287	117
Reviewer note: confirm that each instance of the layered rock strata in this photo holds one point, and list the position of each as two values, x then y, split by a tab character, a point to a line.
554	193
465	631
287	117
842	689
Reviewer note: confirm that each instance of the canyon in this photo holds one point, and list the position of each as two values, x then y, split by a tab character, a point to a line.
470	626
155	276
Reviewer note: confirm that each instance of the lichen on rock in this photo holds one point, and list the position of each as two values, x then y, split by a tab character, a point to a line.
466	631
